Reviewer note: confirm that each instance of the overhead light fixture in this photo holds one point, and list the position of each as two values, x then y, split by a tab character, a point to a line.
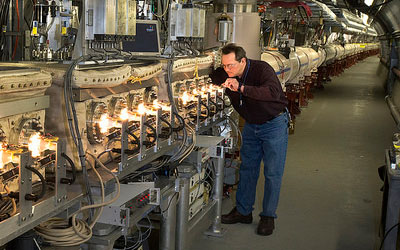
365	18
368	2
353	30
355	25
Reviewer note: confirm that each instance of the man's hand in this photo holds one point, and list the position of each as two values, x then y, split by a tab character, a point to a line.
231	83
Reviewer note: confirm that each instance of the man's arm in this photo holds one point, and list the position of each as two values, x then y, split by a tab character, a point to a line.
270	88
218	76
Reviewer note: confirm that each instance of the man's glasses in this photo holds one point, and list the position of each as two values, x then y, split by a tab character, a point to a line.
229	66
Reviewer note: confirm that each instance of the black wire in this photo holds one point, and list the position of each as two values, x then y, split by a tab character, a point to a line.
44	187
216	106
169	126
301	15
137	141
208	110
182	123
387	233
154	135
223	101
170	201
73	168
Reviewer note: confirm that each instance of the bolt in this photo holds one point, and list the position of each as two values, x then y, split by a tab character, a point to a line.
58	200
65	197
58	167
23	218
31	215
30	179
22	182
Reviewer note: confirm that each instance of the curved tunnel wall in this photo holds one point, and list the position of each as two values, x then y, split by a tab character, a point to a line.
387	24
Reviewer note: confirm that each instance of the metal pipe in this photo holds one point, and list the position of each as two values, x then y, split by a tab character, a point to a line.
168	223
393	110
216	229
183	214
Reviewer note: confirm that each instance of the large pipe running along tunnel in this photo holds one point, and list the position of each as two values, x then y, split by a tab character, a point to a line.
113	135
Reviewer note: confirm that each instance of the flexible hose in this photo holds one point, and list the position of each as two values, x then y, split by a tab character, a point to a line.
73	168
14	204
58	232
44	186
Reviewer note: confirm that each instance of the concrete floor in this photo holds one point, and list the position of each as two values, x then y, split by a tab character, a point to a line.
330	196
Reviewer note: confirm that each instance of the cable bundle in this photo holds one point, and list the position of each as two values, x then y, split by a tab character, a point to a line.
59	232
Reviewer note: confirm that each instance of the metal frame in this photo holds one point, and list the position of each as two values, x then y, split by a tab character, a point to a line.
183	225
26	105
29	214
129	164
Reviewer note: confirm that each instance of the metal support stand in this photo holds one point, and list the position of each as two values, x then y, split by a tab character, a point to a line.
216	229
25	187
392	208
61	172
168	223
183	214
143	133
124	145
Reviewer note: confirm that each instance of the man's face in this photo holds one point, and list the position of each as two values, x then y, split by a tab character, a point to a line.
231	66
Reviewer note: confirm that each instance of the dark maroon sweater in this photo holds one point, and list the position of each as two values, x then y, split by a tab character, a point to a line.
263	97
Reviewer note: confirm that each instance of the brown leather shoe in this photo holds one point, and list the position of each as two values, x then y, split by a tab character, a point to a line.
266	225
235	217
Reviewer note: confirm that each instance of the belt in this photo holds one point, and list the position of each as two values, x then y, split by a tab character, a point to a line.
281	113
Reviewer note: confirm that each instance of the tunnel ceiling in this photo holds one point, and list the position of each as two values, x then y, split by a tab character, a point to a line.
383	14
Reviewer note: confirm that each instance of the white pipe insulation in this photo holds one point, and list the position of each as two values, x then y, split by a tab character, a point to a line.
303	61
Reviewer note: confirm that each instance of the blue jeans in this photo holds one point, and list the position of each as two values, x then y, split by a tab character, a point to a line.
266	141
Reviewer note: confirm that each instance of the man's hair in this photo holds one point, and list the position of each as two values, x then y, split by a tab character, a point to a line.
233	48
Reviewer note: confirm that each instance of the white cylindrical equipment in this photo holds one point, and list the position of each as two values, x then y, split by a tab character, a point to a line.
313	58
339	52
279	63
303	62
322	56
330	54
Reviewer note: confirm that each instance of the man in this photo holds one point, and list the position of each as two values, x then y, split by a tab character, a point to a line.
256	94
